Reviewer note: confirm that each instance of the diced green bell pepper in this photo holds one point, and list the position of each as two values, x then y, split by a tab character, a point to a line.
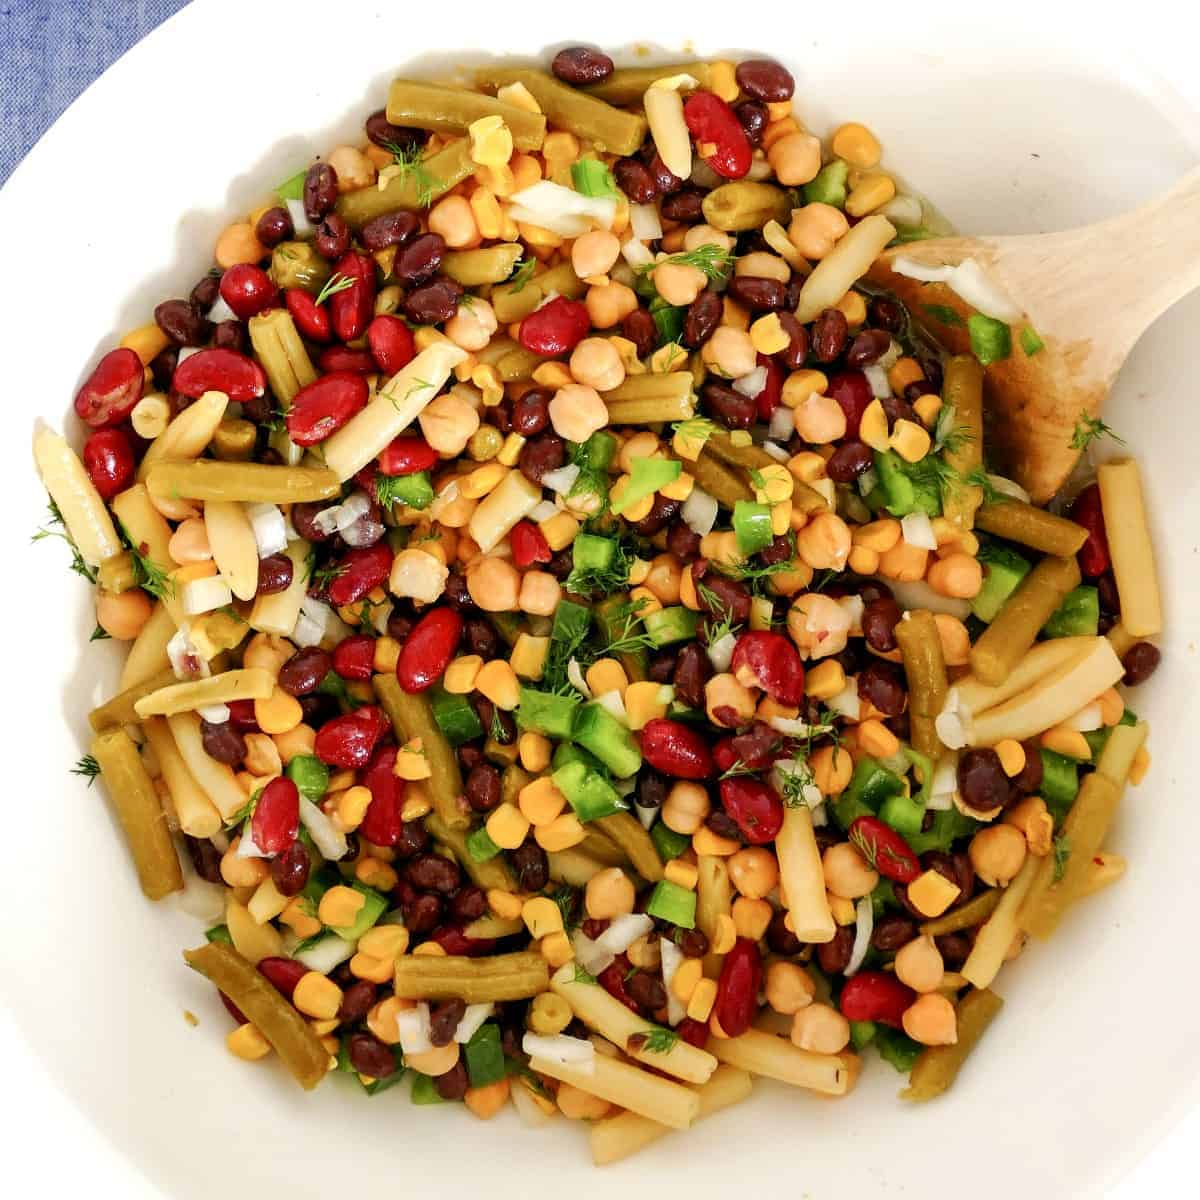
667	842
550	713
948	826
646	476
597	730
670	902
293	188
455	715
829	184
903	813
752	527
991	340
1060	783
310	775
592	178
485	1059
870	785
897	1048
668	320
592	553
1077	616
862	1033
414	491
597	452
591	796
424	1090
219	933
667	625
480	846
1003	570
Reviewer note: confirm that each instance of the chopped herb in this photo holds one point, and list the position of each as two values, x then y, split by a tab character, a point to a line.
695	429
1062	855
1091	429
948	435
582	975
657	1040
522	274
245	812
738	768
98	635
721	620
78	565
713	260
497	727
566	897
149	575
388	488
605	580
794	782
408	165
991	340
944	314
626	641
1030	342
821	581
322	577
366	621
275	421
978	477
88	767
337	282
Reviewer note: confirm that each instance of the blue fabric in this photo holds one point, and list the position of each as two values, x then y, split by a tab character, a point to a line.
51	50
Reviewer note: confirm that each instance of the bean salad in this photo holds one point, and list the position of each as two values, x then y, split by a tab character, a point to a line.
580	653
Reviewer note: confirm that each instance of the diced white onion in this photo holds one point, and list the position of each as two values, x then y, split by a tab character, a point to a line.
917	530
612	703
303	227
720	653
543	511
826	488
412	1024
349	511
576	680
903	210
531	1114
200	899
969	281
783	423
867	481
820	816
562	210
672	959
186	352
699	512
864	926
877	378
846	702
643	220
221	311
750	384
247	847
589	955
323	956
214	714
1008	487
203	595
186	661
853	606
945	784
270	529
1087	719
795	727
568	1051
472	1019
776	451
636	254
329	842
326	520
306	632
916	593
561	480
623	931
950	730
647	816
888	359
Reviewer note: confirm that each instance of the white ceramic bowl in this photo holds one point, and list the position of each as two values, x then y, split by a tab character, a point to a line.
1009	128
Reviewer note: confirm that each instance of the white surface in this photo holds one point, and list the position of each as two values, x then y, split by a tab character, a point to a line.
1069	1089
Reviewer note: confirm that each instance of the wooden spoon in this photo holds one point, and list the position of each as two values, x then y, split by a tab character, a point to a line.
1089	293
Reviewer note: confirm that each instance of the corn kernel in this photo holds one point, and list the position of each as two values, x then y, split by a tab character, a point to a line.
375	874
535	237
387	652
863	561
429	950
556	949
910	440
562	833
928	407
485	208
247	1042
1112	707
498	682
724	935
704	841
642	703
352	806
519	96
553	375
528	658
871	192
298	918
678	489
373	970
491	141
534	751
733	314
507	826
411	761
854	308
825	680
341	905
1066	741
880	536
147	342
777	484
841	909
873	428
931	894
416	801
482	480
704	996
768	335
384	941
559	530
903	372
542	917
857	145
1012	756
687	976
606	675
278	713
723	81
460	675
541	801
316	996
682	873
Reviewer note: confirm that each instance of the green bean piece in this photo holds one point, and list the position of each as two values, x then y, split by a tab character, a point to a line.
476	980
492	264
963	390
744	204
965	916
938	1066
1015	627
751	457
518	364
140	812
1016	521
488	875
515	301
119	710
282	354
298	1047
512	781
414	189
412	717
627	832
596	844
566	108
251	483
627	85
647	399
234	440
116	573
921	648
452	110
721	481
298	265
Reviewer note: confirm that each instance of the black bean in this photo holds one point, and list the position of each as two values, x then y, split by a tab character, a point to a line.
797	348
693	943
433	873
222	742
531	866
682	541
692	671
581	65
882	683
724	597
981	779
304	517
646	991
661	668
652	789
829	334
204	295
541	455
955	949
444	1017
886	313
320	191
457	593
482	787
274	226
274	574
893	931
723	825
414	839
780	938
684	206
765	79
665	180
206	858
303	672
757	293
1140	662
879	621
383	133
639	327
752	116
433	303
849	461
1029	779
531	411
388	229
702	317
357	1000
183	322
423	913
419	259
833	957
230	335
481	637
868	347
728	406
663	511
455	1083
469	903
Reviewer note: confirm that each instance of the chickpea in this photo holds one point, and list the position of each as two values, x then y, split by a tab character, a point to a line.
706	235
724	691
448	423
354	169
242	872
789	987
819	1028
123	614
540	593
594	253
189	542
816	228
1033	819
418	574
645	952
919	965
434	1062
997	853
576	412
754	872
549	1014
298	741
956	641
831	768
577	1105
679	283
847	873
730	351
473	325
454	220
819	419
494	584
608	304
641	445
903	562
930	1020
818	625
795	159
267	651
824	542
664	577
957	575
685	807
761	265
236	244
609	894
596	363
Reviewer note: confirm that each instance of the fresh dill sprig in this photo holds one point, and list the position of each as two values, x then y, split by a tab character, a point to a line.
567	900
713	260
322	577
948	435
496	730
978	477
721	622
387	488
795	781
522	274
78	565
605	580
88	768
1091	429
150	576
657	1040
408	160
1062	855
738	767
337	282
245	812
582	975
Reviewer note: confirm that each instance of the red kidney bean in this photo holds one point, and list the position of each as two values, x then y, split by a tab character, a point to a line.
419	259
203	296
638	326
769	661
183	322
248	290
282	973
321	408
981	779
834	956
390	229
529	545
162	368
676	749
1140	662
868	347
223	742
354	657
694	1032
365	568
884	849
241	716
301	675
711	120
882	684
342	358
875	996
879	621
555	328
383	133
276	819
853	394
350	311
320	191
274	574
728	406
332	237
886	313
391	343
433	303
612	980
849	461
581	65
692	671
541	455
770	395
531	412
239	377
369	1056
357	1000
274	226
108	460
738	988
732	596
755	807
793	356
289	870
406	455
702	317
635	179
756	293
312	319
684	205
350	740
429	649
752	116
1093	555
231	335
110	392
665	180
765	79
829	334
382	824
454	941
